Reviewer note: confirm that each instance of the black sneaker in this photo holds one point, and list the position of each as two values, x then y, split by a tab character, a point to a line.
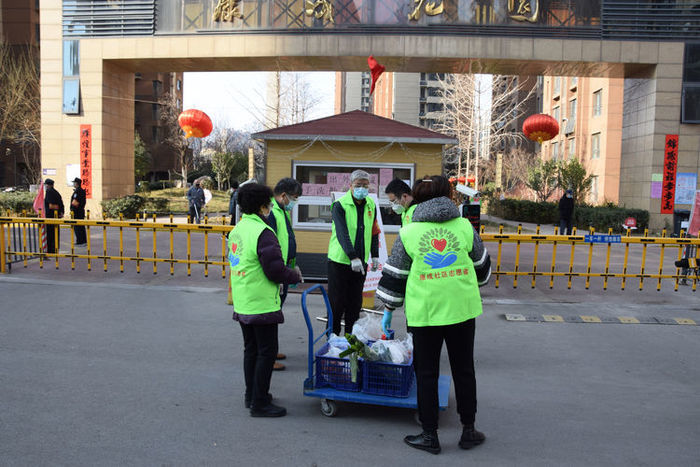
270	410
426	441
471	437
248	400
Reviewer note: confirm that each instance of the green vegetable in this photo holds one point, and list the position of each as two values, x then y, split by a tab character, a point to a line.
357	349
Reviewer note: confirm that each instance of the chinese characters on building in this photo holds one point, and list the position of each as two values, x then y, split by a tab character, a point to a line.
524	10
668	186
86	159
320	9
430	9
227	10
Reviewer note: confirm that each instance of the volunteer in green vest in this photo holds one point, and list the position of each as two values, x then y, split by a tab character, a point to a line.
286	194
257	269
354	240
399	194
436	267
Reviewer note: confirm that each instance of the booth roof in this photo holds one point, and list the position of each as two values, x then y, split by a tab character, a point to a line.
356	126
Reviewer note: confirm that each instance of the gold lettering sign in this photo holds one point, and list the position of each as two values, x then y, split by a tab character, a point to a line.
320	9
227	10
522	10
430	9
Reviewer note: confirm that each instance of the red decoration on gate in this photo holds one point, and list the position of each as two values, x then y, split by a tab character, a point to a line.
195	123
376	69
540	127
668	186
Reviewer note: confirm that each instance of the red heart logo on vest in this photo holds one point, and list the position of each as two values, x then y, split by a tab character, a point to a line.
234	246
439	244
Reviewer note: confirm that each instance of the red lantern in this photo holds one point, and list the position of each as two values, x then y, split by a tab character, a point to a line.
540	127
195	123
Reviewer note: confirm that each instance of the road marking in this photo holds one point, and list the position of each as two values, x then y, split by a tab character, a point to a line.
685	321
553	318
591	319
628	320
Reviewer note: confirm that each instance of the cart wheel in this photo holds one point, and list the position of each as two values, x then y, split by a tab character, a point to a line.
329	408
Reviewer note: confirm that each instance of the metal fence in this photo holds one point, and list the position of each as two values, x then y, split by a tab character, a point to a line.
587	259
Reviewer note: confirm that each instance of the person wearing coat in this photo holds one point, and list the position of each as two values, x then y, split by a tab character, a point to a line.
53	207
257	269
77	208
436	267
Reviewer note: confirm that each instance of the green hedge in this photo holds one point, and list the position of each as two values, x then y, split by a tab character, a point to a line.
599	217
17	201
158	204
127	206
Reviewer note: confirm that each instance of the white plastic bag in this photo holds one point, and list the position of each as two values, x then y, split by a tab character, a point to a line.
336	344
368	327
394	351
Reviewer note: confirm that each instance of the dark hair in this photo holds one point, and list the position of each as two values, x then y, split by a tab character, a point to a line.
288	185
234	184
398	187
431	187
253	196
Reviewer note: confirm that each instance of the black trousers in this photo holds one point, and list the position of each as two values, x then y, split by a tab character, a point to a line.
345	294
260	349
565	226
79	230
427	346
53	238
195	214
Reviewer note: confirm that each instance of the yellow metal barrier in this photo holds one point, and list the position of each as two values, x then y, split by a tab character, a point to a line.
123	236
600	250
607	256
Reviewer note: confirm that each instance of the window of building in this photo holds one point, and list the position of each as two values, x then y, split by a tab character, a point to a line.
595	146
690	96
572	109
598	103
155	112
555	150
321	179
572	148
557	85
157	88
556	113
593	197
574	82
155	134
178	85
71	77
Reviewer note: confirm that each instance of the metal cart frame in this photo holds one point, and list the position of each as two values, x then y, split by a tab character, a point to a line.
329	396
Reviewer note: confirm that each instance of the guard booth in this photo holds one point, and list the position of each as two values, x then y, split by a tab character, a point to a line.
322	154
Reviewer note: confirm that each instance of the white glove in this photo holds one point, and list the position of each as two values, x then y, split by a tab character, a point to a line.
301	278
375	264
356	265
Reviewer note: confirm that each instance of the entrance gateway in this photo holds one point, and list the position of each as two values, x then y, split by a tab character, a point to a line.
99	45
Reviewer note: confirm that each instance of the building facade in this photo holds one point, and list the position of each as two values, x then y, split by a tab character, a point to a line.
149	88
589	113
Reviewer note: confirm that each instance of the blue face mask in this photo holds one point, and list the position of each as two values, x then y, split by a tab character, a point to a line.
291	204
360	192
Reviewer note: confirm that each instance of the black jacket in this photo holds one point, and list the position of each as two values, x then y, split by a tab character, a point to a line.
566	207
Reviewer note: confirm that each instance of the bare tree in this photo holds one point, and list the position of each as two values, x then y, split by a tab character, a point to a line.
174	136
479	123
514	169
20	105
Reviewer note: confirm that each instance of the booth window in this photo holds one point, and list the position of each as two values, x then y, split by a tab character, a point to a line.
321	179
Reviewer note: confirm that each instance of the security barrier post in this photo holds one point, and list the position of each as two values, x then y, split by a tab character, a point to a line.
2	248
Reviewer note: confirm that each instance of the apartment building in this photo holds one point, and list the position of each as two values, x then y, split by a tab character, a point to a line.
589	112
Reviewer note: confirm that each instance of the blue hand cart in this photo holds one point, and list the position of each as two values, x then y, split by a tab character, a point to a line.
344	390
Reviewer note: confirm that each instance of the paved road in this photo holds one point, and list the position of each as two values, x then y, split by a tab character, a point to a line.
146	370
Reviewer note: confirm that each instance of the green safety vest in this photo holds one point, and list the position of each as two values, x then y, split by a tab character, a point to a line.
444	290
335	251
407	215
281	217
252	292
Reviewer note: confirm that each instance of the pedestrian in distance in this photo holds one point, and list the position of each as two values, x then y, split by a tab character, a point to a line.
399	194
233	201
566	212
53	207
77	208
286	195
354	240
195	197
257	269
436	267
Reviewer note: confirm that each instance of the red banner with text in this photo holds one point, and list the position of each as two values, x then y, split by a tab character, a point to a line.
86	159
668	186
